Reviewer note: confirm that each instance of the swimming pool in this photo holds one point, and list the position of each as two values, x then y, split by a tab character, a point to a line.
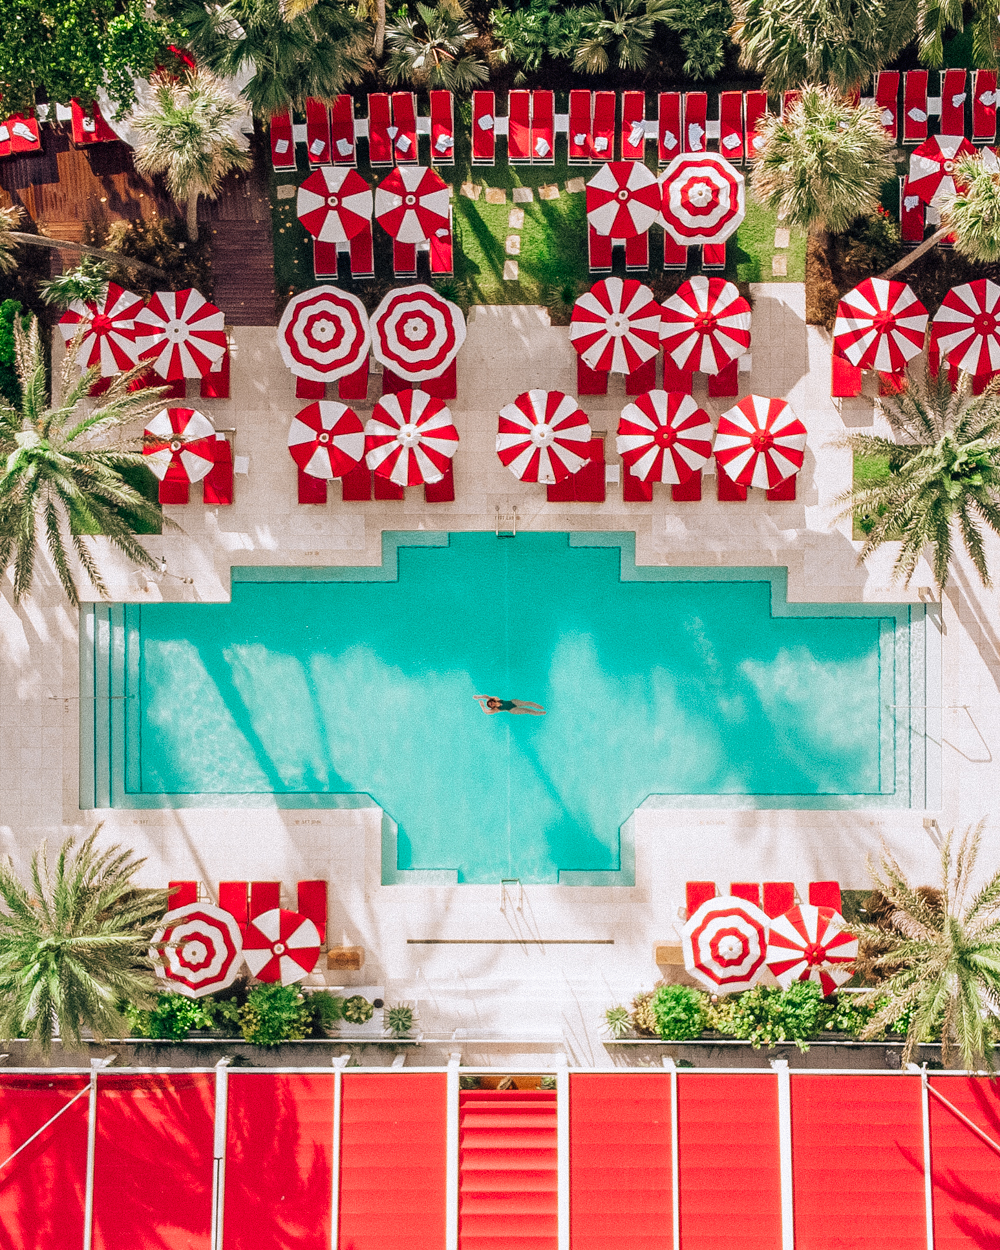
665	686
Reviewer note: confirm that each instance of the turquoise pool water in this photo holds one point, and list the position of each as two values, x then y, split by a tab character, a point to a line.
360	682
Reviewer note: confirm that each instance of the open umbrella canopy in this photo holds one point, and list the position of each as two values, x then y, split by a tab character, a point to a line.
323	334
179	443
281	945
327	439
703	198
933	164
106	330
725	943
616	325
664	437
416	332
409	438
412	204
181	333
811	944
760	442
541	435
966	327
705	325
623	199
880	325
197	949
334	204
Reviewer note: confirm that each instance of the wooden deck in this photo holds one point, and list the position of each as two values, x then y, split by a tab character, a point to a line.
73	193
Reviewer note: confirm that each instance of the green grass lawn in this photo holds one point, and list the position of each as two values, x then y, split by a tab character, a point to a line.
868	469
553	238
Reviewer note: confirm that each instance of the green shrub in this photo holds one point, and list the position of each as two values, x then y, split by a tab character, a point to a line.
399	1019
643	1020
10	387
525	36
703	26
175	1015
765	1016
325	1010
873	243
618	1020
358	1010
842	1013
679	1011
548	1082
275	1014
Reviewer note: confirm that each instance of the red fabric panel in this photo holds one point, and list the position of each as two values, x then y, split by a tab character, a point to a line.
642	379
778	897
233	899
675	255
543	140
264	896
442	128
393	383
675	379
326	259
443	491
749	890
633	111
519	126
695	121
726	490
317	132
821	893
379	142
279	1149
984	111
730	1187
215	385
356	486
590	381
354	385
887	98
363	253
756	107
599	248
669	126
281	133
386	489
442	254
311	489
911	216
444	386
153	1161
619	1149
726	382
177	389
845	378
182	893
404	259
915	106
42	1191
217	484
785	492
634	489
483	138
342	130
404	118
713	255
731	125
32	142
175	491
954	94
588	482
966	1208
312	904
857	1163
603	142
689	491
698	892
561	492
392	1164
580	107
637	252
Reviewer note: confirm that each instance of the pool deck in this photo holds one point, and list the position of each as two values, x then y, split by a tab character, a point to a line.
528	995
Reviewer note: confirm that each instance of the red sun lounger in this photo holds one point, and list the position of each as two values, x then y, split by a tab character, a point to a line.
354	385
779	896
379	121
605	107
442	491
442	249
317	132
726	490
519	127
543	134
784	492
182	893
324	259
887	100
845	378
356	486
911	214
312	904
215	383
695	121
637	253
689	491
598	251
25	135
825	894
696	893
234	898
362	253
756	107
633	125
217	485
915	106
954	93
483	128
404	122
310	489
580	143
675	255
88	126
787	100
342	131
731	126
668	127
282	143
713	256
984	105
634	489
442	128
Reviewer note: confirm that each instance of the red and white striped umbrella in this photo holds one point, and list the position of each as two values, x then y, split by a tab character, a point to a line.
966	328
664	437
880	325
760	442
323	334
197	949
933	164
705	325
725	944
327	440
412	204
181	333
703	198
542	435
811	944
334	204
179	443
106	330
416	332
409	438
281	945
623	199
616	325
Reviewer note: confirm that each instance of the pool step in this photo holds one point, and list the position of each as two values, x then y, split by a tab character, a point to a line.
507	1170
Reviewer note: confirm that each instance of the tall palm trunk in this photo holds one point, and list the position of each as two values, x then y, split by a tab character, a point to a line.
64	245
192	217
917	252
379	26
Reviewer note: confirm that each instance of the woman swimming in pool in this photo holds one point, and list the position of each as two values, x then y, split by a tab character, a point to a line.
517	707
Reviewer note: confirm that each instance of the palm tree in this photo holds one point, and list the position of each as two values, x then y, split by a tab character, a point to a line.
10	239
59	483
86	283
823	164
188	134
432	50
841	43
74	943
291	55
937	956
972	214
943	475
618	33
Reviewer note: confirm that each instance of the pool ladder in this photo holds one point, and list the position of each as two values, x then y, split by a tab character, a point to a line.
511	891
506	522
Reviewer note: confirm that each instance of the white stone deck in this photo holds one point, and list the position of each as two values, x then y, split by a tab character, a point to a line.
527	990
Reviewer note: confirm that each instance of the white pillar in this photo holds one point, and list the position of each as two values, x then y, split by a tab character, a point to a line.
675	1163
780	1067
925	1113
339	1064
562	1149
219	1149
88	1202
451	1163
